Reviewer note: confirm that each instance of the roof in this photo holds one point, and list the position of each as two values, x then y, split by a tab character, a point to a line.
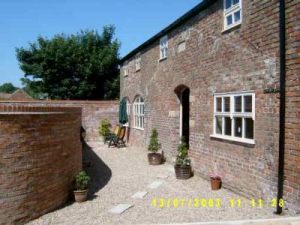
4	96
194	11
19	94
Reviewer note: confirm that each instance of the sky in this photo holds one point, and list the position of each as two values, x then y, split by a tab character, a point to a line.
22	21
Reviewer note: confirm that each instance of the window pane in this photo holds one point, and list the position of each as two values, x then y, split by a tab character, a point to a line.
229	20
218	124
226	104
249	128
248	103
237	16
238	104
219	104
228	4
235	2
238	127
227	126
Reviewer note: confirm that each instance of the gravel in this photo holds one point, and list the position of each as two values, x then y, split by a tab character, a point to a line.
117	174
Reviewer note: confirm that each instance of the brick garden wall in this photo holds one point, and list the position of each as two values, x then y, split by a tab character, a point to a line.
92	112
40	153
213	61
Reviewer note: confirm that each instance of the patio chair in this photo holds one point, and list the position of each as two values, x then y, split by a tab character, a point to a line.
115	132
118	140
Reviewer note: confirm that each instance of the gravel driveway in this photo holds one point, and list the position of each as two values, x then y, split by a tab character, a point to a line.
120	173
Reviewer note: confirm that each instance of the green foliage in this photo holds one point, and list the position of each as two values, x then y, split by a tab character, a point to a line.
82	180
104	128
31	89
182	156
7	88
154	145
79	66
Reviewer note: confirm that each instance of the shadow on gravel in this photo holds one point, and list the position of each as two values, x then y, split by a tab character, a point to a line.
99	172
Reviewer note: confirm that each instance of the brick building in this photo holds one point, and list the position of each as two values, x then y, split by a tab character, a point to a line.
213	76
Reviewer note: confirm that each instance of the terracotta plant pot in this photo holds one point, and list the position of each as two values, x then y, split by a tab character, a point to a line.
183	172
80	196
155	158
216	183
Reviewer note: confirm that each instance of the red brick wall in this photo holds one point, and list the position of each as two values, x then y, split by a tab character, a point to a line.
92	112
245	58
292	156
40	153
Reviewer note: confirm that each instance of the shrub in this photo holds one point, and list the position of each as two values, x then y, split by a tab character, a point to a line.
82	180
104	127
154	145
182	156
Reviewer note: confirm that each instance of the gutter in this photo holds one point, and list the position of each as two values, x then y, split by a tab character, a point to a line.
282	75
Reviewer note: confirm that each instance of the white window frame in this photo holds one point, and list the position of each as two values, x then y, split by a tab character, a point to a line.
163	48
138	113
126	70
232	114
128	107
128	111
138	63
230	12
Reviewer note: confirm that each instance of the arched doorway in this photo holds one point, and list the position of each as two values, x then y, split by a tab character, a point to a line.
183	94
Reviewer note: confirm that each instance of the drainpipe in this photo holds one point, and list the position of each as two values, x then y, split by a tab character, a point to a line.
282	104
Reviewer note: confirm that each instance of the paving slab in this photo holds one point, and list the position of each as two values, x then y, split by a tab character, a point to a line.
140	194
155	184
119	209
162	176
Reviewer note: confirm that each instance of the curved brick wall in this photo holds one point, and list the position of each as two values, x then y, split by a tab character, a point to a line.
40	152
92	112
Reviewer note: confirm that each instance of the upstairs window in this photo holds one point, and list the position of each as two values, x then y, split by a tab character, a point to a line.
163	46
234	115
126	71
232	13
138	63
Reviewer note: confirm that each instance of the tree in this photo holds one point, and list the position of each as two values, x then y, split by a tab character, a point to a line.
7	88
80	66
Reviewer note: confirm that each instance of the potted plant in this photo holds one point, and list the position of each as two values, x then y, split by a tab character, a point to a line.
183	169
154	158
81	182
215	181
104	130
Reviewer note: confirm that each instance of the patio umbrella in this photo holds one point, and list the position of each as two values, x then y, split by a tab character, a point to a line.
123	118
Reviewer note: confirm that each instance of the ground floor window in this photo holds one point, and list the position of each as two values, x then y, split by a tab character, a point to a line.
128	111
138	113
234	115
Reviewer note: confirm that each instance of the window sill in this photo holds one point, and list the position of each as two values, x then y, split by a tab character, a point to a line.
138	128
162	59
233	27
234	139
